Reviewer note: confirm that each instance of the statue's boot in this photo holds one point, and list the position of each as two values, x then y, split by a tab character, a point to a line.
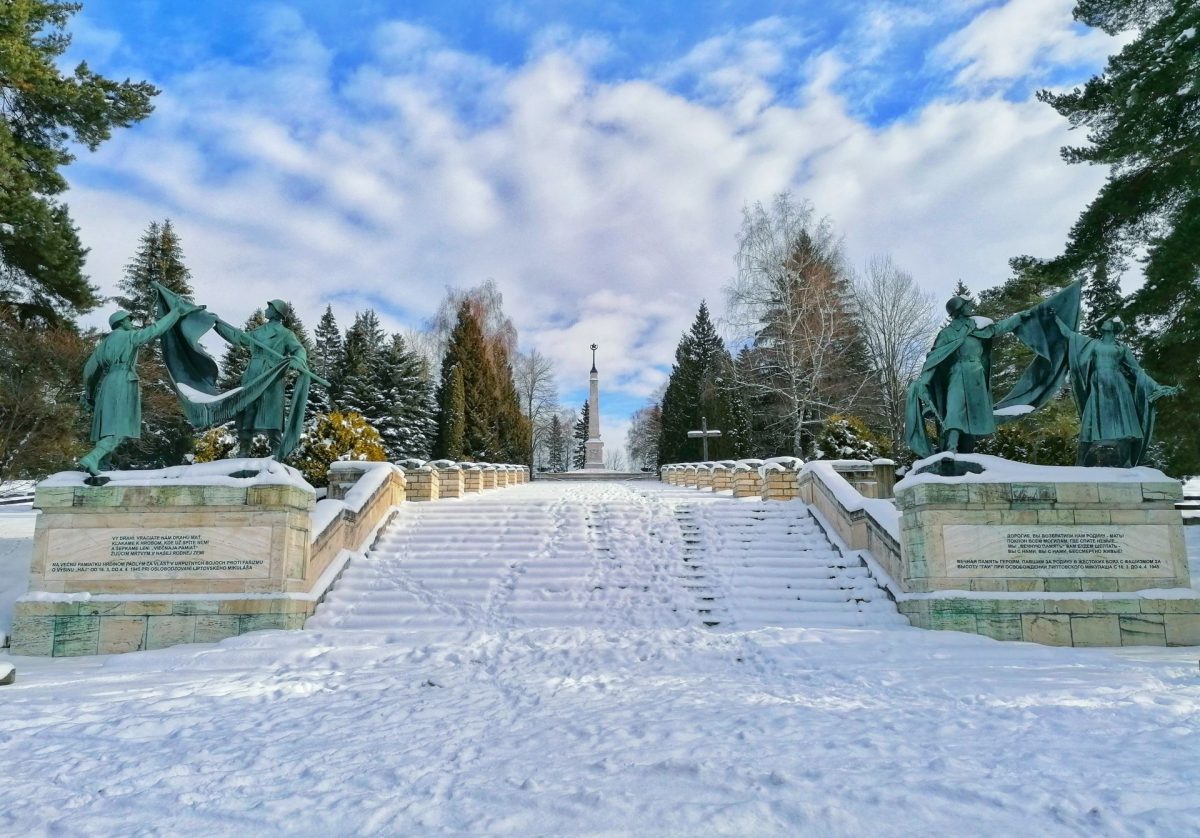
93	461
245	443
275	439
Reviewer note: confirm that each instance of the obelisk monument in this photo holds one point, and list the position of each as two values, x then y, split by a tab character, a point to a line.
594	447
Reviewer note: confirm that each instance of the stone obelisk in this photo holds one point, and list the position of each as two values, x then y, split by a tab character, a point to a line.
594	447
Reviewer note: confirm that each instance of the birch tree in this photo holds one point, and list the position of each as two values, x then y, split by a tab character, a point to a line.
533	374
897	321
792	303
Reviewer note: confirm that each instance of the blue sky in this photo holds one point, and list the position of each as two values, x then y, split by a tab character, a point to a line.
591	157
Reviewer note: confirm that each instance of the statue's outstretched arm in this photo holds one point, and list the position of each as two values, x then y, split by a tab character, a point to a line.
159	327
231	333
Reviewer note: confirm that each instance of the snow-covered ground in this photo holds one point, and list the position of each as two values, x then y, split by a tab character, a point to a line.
552	674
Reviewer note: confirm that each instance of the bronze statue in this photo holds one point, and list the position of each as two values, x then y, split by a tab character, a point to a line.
111	388
1115	398
954	387
269	344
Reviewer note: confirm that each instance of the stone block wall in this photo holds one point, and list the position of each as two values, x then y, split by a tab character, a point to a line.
722	479
450	482
487	478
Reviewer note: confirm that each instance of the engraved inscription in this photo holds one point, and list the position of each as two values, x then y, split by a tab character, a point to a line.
1048	551
202	553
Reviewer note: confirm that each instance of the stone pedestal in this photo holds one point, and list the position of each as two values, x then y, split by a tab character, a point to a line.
746	482
1059	560
703	477
450	482
183	555
780	484
422	484
472	479
722	479
690	476
487	477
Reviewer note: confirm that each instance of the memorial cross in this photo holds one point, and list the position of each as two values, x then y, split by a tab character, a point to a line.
704	434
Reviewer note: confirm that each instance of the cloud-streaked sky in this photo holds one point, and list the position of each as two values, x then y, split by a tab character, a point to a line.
593	158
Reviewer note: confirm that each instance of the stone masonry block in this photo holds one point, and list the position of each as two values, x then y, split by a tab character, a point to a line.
76	636
1000	626
1047	629
1182	629
1143	630
162	632
33	636
1096	630
121	634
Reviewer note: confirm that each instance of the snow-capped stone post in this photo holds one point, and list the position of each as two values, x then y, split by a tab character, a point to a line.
722	477
472	478
885	477
423	483
689	474
781	478
593	447
487	475
450	478
747	482
704	476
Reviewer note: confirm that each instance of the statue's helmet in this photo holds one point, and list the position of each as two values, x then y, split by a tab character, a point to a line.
281	308
116	317
955	305
1112	324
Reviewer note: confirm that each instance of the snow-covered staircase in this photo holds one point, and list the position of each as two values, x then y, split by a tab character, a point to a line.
602	556
756	563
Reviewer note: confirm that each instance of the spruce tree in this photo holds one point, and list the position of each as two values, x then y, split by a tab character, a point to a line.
580	437
701	386
466	351
405	394
159	258
451	430
1102	297
325	360
556	445
961	290
358	374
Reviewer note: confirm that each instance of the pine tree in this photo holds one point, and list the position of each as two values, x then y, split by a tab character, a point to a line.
49	111
1142	117
452	420
556	445
326	360
166	434
580	437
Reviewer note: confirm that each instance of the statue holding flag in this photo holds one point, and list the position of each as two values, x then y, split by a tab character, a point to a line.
259	405
111	388
954	386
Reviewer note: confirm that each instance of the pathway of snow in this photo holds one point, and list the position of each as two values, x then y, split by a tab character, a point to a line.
499	701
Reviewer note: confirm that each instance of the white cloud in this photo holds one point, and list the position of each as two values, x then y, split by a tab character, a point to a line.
605	210
1022	36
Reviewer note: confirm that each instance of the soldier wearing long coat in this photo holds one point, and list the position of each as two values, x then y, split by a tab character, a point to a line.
111	388
268	344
